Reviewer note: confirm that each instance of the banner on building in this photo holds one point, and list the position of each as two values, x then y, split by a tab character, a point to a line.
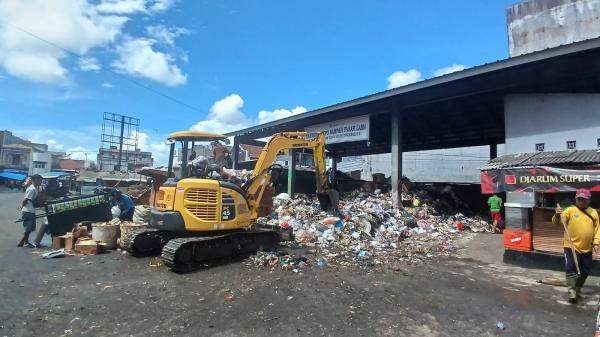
344	130
539	179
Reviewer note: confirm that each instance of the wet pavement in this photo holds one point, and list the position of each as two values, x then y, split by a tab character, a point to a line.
116	295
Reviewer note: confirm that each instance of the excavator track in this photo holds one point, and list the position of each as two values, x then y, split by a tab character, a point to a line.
188	254
146	242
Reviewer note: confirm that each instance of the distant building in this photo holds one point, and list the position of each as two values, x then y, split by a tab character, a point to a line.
71	164
108	159
20	154
249	152
56	158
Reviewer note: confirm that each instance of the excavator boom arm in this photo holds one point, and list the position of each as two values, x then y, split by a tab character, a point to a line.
279	143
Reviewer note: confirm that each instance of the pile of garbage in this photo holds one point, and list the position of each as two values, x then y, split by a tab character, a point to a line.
368	231
239	176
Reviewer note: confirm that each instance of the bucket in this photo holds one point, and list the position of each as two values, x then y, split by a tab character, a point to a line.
128	226
105	232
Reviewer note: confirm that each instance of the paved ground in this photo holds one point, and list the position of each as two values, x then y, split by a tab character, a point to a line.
116	295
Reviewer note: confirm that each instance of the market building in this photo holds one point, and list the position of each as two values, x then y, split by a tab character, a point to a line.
523	103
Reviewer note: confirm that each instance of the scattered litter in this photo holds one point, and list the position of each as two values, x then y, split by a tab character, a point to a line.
54	254
500	326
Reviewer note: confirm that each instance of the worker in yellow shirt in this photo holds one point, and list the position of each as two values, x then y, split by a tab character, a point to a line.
584	234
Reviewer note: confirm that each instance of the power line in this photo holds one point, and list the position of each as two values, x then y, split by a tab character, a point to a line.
173	99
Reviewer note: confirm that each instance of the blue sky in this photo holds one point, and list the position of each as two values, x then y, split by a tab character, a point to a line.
231	63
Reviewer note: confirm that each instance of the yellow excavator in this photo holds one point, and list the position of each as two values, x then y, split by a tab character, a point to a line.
200	216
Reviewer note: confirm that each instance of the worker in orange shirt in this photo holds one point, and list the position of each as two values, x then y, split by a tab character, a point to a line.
583	234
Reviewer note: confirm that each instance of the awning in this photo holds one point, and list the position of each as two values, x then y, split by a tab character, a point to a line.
55	174
539	179
13	176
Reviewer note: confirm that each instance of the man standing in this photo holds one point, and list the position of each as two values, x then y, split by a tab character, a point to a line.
495	203
28	210
583	234
125	204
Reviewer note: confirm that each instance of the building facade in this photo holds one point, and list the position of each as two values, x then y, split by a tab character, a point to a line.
20	154
108	159
536	25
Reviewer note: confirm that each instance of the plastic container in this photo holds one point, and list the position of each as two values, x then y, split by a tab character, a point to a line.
107	233
517	239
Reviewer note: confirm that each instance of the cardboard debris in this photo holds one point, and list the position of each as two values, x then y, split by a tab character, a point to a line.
64	241
89	247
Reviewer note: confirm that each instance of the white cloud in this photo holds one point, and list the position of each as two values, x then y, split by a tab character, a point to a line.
134	6
122	6
267	116
71	24
225	115
88	64
41	68
165	35
33	33
138	58
107	85
155	144
448	70
161	5
54	145
402	78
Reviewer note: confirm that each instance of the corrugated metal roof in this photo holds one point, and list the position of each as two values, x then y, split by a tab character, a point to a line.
544	158
540	55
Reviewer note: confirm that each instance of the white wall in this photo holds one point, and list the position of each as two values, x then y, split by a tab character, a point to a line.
43	157
540	24
552	119
460	165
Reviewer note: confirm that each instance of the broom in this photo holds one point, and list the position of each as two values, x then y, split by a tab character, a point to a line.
573	251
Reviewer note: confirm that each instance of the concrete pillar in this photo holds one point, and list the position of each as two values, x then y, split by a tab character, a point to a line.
493	151
396	142
291	172
236	152
334	162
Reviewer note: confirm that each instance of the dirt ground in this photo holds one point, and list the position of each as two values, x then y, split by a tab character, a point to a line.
116	295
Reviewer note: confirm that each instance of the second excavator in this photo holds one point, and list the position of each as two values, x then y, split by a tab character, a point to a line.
200	216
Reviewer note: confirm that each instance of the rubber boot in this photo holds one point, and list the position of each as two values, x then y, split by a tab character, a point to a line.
578	285
572	288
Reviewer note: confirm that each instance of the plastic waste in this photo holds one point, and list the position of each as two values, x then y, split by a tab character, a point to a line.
54	254
116	212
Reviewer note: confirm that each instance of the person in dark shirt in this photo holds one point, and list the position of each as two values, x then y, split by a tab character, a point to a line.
125	203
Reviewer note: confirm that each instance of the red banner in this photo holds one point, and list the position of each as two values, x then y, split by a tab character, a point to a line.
541	178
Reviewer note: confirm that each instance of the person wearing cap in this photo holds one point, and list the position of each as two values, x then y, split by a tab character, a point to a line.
125	203
27	209
220	153
584	232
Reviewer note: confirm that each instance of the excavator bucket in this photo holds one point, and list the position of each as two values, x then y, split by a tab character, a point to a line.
329	201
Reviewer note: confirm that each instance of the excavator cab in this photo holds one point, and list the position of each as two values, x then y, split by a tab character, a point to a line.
195	154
